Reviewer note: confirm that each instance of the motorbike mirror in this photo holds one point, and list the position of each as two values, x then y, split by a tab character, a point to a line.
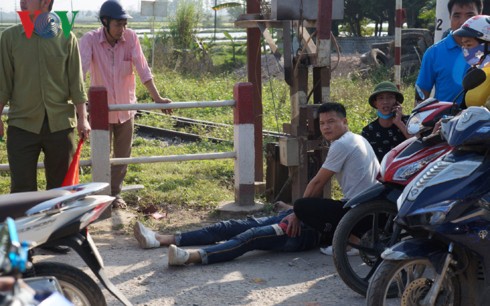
474	78
13	253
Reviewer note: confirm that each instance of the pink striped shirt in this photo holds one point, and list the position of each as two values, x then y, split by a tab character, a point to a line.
112	68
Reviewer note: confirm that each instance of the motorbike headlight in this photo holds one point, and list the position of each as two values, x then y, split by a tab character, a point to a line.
432	214
414	124
406	172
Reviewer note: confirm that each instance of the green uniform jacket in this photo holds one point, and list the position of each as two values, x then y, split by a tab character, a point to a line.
40	76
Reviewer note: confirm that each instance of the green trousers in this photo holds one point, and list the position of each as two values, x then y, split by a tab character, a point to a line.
24	148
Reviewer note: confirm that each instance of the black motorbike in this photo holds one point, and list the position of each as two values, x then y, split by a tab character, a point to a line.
450	202
376	206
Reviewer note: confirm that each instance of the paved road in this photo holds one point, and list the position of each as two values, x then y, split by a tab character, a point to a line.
258	278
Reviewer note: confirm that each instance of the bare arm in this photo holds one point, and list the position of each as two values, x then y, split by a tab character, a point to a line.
83	127
398	122
152	89
315	186
426	95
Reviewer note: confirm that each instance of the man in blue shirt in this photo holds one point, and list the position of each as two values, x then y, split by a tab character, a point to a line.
443	65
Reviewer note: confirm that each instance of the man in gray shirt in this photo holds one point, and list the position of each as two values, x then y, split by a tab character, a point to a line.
353	162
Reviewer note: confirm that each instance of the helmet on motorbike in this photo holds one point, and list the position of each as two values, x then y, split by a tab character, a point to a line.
479	95
112	9
385	86
477	27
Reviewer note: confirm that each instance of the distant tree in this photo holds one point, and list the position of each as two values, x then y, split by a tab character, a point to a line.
420	13
353	15
183	24
379	12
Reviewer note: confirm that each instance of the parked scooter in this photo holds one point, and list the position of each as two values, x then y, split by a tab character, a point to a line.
377	205
450	201
41	291
61	217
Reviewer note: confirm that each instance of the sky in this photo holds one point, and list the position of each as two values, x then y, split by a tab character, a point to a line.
65	5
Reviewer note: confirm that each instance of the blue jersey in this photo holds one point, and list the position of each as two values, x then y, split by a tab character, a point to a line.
444	67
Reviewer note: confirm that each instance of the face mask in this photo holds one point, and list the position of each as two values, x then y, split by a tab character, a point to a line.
473	55
382	116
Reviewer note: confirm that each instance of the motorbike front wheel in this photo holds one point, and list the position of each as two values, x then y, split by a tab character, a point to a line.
367	228
77	286
407	282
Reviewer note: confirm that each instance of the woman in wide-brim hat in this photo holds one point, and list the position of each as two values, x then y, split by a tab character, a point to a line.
389	129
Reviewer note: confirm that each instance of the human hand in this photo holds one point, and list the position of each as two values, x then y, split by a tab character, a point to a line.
6	283
83	128
164	100
437	127
294	225
398	113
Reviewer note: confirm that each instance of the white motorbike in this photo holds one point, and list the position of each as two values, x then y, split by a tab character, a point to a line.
35	291
60	217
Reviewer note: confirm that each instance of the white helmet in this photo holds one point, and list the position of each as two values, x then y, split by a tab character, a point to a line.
477	27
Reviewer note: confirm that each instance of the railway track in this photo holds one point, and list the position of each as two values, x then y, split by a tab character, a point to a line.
182	126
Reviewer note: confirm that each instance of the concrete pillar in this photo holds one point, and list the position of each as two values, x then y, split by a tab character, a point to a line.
99	137
244	144
442	19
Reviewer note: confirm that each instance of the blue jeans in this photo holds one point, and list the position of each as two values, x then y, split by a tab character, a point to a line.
241	236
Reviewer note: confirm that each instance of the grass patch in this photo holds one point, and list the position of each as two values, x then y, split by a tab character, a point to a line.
202	185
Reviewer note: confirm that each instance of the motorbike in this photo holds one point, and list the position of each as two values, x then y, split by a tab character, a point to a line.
60	217
40	291
376	206
450	202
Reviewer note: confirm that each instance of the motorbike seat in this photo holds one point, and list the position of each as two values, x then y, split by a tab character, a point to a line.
16	204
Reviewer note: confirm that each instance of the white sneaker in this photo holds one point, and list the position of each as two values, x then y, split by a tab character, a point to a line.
177	256
329	251
146	237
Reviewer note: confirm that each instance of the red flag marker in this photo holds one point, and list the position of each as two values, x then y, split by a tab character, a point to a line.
72	176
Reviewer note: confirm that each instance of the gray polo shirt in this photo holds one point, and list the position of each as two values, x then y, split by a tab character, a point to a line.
354	163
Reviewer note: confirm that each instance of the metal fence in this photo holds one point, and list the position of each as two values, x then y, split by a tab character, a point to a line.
243	152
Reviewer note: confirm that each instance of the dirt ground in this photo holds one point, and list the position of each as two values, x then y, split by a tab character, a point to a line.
257	278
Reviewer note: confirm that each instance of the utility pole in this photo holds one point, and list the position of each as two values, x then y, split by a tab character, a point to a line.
15	5
398	41
215	18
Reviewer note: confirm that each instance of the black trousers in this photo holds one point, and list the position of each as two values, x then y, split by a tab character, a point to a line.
321	214
24	149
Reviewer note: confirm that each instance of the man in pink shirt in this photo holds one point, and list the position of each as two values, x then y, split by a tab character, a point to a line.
110	54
